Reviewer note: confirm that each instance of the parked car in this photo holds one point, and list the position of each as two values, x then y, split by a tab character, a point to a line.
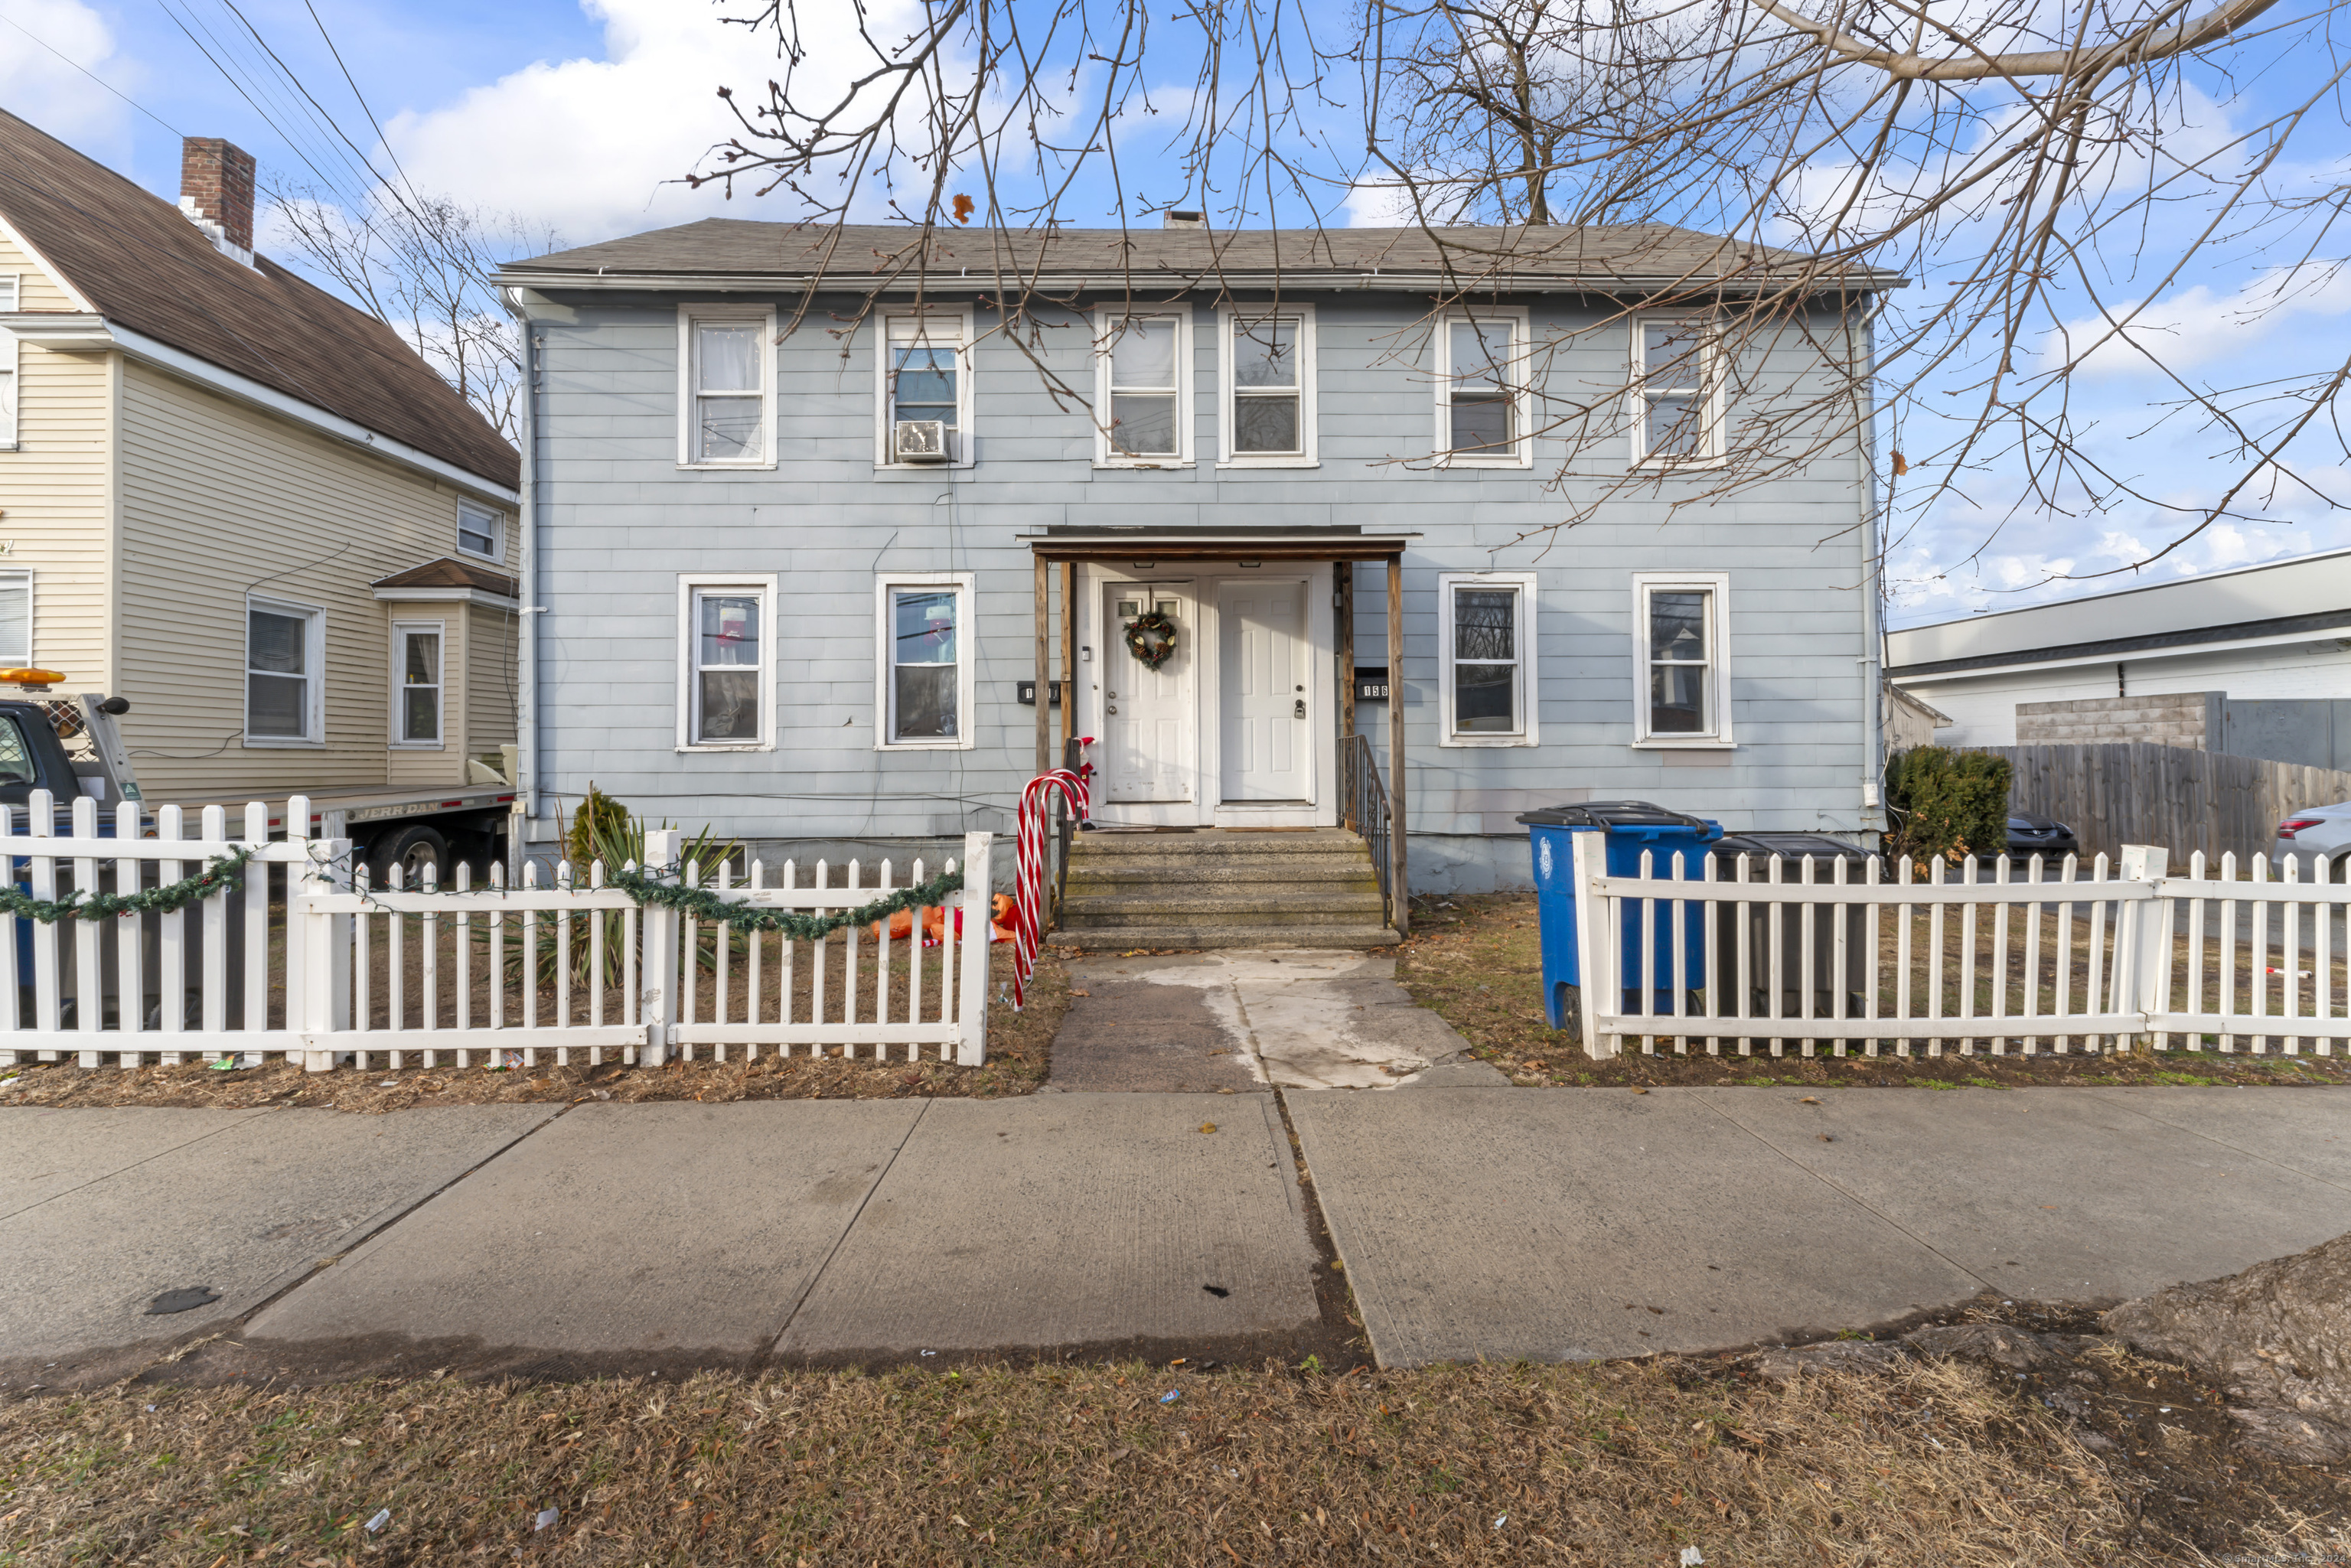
2321	833
2030	833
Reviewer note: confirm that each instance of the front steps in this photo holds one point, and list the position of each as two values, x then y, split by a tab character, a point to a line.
1214	887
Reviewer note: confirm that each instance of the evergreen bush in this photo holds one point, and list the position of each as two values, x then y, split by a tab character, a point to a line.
1946	805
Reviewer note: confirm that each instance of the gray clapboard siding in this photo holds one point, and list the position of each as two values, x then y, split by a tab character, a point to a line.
621	521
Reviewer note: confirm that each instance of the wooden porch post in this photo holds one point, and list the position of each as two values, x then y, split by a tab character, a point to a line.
1397	818
1342	599
1069	652
1044	665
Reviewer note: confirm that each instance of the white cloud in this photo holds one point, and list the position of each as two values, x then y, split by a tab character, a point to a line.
38	87
2200	326
596	148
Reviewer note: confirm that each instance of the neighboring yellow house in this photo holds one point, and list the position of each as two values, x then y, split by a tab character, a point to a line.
232	499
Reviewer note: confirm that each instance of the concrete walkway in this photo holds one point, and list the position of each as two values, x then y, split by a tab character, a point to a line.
1541	1223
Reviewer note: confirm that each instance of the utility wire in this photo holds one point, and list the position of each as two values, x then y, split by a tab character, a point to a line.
92	75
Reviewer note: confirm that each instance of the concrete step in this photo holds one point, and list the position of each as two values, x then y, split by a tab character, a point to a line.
1110	939
1216	843
1289	872
1318	908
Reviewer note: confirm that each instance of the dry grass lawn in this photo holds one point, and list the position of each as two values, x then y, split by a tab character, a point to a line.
1938	1463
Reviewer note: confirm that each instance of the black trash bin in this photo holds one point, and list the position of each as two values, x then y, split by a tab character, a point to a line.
1790	850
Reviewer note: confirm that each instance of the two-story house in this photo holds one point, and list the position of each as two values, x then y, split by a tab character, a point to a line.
235	501
809	523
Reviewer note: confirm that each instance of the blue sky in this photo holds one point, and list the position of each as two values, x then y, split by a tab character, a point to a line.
581	115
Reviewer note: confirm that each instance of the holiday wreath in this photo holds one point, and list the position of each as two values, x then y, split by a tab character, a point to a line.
1151	637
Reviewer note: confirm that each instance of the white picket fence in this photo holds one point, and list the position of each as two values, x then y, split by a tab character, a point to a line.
397	976
1772	954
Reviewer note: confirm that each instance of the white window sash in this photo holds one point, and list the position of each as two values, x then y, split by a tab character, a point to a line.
1232	321
937	329
402	632
1451	378
692	589
493	525
691	396
1108	321
12	382
886	590
1716	688
314	641
1706	386
16	586
1526	696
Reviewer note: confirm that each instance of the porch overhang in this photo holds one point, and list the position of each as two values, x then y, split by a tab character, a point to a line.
1162	545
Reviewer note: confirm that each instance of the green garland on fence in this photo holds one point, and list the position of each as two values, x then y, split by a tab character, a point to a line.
217	875
704	905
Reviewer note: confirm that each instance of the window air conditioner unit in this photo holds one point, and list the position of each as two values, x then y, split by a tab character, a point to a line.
919	441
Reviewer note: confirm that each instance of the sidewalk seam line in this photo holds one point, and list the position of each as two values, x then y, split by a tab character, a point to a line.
259	1113
2269	1160
816	1275
1854	1197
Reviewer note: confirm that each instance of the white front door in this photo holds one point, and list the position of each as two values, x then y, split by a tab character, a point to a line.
1267	737
1149	757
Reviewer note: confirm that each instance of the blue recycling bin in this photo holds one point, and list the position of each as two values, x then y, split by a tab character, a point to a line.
1628	827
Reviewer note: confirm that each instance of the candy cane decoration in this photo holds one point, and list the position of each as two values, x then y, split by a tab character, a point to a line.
1029	890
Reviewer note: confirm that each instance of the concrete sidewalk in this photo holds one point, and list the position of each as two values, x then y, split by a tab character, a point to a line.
1571	1223
1473	1222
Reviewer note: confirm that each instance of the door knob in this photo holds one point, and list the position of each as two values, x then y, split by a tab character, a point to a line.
1301	707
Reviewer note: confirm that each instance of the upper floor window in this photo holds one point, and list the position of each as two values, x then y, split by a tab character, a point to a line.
726	665
1266	368
726	410
1486	657
1143	405
923	664
925	378
1481	389
1676	416
481	531
1681	662
284	657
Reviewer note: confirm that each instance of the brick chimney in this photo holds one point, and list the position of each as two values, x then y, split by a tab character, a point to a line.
216	191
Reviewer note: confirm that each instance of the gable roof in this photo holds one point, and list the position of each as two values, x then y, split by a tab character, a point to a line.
144	266
1634	258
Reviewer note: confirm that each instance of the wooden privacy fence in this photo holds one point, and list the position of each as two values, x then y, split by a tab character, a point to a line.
322	967
2190	801
1720	957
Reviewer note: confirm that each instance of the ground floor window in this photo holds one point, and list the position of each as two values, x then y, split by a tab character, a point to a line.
417	679
283	656
16	617
1486	654
923	664
1681	659
727	662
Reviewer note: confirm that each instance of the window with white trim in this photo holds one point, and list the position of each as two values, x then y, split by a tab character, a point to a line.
1677	420
283	660
1265	367
1482	403
923	661
8	301
1681	661
1486	658
726	416
481	531
727	666
926	375
16	617
1143	408
416	665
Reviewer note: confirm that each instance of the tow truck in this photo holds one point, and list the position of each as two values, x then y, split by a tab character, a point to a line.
72	747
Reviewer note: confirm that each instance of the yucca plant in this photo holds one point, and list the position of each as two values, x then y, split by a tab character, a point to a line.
605	830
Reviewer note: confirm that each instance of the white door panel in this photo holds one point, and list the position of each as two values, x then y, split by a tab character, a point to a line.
1265	729
1148	755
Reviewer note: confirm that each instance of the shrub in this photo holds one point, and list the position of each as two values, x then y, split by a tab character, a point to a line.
1946	805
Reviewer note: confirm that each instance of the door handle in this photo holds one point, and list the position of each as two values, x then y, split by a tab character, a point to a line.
1301	707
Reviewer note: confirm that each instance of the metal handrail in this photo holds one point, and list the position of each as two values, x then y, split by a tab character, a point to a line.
1364	799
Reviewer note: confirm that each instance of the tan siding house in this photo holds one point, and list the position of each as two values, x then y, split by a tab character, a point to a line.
235	501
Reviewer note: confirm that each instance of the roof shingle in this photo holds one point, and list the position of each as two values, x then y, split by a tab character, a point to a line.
142	265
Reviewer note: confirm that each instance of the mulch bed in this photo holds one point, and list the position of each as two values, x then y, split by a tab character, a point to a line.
1018	1054
1477	961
